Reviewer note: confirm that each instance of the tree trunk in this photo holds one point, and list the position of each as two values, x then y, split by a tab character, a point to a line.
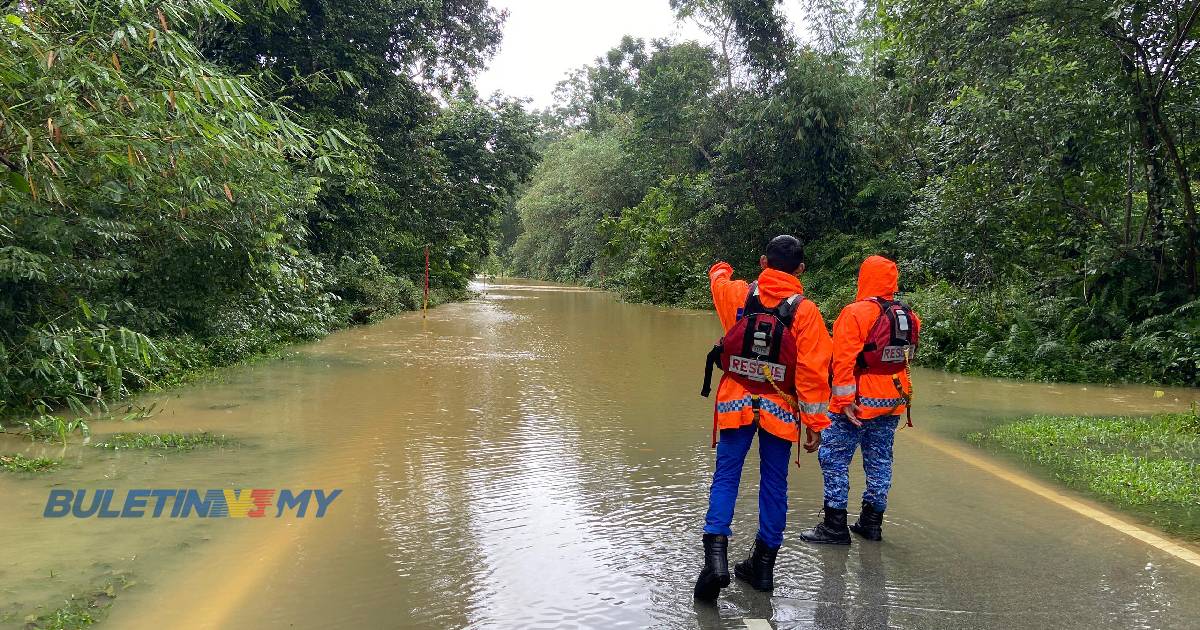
725	57
1129	188
1184	180
1154	173
1156	185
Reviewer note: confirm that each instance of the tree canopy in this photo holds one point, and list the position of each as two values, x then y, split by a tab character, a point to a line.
184	183
1029	164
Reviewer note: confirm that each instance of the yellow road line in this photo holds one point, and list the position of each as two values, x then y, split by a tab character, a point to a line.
209	596
1179	550
213	598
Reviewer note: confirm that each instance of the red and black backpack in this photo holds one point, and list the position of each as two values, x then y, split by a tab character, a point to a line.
761	338
892	341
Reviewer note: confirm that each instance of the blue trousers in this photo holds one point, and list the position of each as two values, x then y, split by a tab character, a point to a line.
774	459
838	444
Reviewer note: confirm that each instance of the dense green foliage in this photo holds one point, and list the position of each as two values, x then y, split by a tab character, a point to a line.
1149	465
21	463
185	184
1028	164
423	173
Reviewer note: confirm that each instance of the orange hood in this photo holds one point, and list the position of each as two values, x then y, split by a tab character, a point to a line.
878	277
778	285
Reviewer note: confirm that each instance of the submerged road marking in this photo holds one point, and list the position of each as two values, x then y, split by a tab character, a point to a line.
216	597
1100	516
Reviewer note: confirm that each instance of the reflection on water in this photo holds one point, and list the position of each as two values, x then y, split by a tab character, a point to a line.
865	607
539	457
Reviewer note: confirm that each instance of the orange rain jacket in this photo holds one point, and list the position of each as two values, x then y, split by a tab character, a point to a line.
813	350
875	393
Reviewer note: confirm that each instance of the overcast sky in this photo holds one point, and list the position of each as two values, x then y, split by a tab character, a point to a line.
545	39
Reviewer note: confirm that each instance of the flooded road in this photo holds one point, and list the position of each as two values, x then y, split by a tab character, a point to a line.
539	457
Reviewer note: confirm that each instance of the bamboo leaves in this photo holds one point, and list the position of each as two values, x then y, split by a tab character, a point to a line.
122	152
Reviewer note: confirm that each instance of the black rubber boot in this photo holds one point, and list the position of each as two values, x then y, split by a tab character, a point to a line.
831	531
870	523
759	569
715	574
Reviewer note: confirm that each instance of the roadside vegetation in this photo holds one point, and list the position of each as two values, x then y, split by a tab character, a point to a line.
176	442
49	428
75	613
82	610
1150	466
163	441
1029	164
186	184
22	464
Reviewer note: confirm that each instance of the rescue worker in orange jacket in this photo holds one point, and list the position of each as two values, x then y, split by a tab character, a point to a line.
865	411
775	418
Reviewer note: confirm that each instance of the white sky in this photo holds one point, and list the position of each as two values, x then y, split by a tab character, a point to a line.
546	39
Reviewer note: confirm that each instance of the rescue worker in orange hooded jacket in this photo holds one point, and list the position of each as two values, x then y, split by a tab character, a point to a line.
865	411
776	419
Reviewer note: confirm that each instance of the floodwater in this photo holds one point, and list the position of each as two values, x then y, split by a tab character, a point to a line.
539	457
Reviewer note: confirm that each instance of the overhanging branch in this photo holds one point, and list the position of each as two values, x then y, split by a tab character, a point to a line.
1173	54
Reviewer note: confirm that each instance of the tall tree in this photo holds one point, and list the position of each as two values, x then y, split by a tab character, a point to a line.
377	71
761	31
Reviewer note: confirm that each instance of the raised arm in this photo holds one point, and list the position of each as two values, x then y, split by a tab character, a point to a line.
728	294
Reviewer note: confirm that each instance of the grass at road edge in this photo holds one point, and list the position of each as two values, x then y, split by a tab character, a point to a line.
82	610
21	464
1149	466
163	441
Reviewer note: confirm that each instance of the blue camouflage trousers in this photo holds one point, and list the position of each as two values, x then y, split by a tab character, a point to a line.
838	444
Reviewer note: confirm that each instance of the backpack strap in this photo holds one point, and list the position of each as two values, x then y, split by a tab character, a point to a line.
788	308
886	308
753	304
860	362
883	305
785	310
712	361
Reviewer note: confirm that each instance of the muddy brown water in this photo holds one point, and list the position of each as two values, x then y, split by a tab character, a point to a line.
539	457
